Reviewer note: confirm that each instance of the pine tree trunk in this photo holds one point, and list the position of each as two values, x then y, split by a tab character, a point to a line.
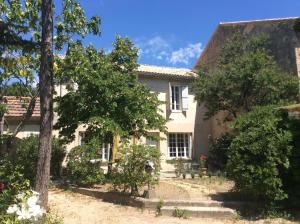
46	100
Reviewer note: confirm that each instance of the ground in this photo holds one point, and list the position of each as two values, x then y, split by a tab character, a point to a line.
81	209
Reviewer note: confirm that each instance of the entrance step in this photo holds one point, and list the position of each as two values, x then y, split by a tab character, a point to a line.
152	203
201	212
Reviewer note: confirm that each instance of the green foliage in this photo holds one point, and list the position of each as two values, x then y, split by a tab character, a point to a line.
109	98
27	157
180	213
20	37
179	167
18	89
291	177
80	169
259	154
53	218
130	172
217	157
246	76
14	182
159	205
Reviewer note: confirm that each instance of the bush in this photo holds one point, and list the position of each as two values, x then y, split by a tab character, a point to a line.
291	178
80	168
27	156
130	173
12	182
259	154
217	156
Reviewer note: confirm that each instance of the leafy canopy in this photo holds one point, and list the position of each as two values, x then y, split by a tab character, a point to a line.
20	37
105	94
246	76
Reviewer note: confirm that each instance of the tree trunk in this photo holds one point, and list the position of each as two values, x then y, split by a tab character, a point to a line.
46	99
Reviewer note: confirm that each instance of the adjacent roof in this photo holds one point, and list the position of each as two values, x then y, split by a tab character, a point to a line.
159	71
17	106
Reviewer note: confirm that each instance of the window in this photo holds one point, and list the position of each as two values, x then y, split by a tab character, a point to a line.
103	152
179	145
179	98
152	142
176	95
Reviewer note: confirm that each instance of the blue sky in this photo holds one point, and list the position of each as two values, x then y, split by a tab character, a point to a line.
174	32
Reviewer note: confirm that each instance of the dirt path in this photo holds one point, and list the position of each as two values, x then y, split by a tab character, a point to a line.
80	209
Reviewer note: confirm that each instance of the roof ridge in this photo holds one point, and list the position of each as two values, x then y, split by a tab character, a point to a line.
159	66
258	20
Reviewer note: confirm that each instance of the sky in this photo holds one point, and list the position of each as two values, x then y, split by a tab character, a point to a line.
174	32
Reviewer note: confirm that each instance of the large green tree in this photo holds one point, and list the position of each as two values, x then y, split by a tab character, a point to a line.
28	31
105	94
246	76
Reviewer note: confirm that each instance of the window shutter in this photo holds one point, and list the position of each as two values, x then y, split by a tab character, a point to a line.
170	96
185	98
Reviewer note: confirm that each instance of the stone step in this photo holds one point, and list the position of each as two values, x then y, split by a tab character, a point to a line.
201	212
152	203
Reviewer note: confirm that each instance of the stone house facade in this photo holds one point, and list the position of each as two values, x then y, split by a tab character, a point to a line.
187	135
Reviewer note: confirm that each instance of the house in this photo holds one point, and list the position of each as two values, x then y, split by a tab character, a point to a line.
284	35
187	135
16	108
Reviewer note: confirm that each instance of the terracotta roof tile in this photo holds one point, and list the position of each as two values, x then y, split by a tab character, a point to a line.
17	106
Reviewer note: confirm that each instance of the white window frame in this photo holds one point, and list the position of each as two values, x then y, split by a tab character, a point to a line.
175	102
105	146
187	149
183	99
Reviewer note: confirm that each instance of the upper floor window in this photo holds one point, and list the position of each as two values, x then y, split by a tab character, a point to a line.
179	98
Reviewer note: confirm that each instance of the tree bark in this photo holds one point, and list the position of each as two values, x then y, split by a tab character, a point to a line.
46	100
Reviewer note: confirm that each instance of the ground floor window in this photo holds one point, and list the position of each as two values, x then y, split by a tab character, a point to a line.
104	152
151	141
179	145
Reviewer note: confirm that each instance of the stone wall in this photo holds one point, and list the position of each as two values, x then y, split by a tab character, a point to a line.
284	37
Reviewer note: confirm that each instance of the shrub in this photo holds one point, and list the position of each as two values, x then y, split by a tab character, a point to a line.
83	168
27	156
12	182
291	177
259	154
217	156
130	172
179	167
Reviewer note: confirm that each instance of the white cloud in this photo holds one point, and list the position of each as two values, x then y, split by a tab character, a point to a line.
162	50
155	47
184	55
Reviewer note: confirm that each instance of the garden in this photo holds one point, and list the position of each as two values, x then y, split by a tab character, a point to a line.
250	174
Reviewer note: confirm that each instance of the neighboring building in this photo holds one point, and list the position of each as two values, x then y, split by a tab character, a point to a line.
284	34
15	111
187	135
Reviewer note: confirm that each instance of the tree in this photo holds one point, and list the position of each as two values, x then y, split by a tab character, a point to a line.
105	94
46	101
24	34
246	76
260	154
